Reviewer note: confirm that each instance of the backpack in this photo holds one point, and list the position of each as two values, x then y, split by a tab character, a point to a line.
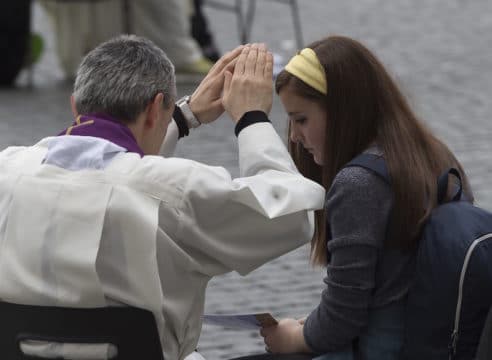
484	351
451	292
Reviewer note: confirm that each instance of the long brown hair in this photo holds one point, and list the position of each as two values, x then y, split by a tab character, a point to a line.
365	106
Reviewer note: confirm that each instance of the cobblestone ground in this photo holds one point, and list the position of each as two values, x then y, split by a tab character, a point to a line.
438	50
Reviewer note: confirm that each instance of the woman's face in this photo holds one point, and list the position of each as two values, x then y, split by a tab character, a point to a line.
307	122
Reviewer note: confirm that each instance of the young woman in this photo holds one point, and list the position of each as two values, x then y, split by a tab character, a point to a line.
341	102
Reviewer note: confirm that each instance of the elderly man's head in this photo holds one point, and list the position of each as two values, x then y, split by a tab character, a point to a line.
128	78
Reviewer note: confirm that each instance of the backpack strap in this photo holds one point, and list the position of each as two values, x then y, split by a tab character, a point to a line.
442	185
375	163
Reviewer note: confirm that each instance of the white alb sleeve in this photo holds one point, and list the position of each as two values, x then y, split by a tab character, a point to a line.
239	224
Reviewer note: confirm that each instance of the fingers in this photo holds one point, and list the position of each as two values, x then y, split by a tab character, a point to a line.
245	87
265	331
227	81
251	60
268	69
261	60
241	61
225	60
230	67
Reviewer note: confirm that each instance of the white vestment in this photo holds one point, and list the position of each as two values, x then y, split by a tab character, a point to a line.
117	229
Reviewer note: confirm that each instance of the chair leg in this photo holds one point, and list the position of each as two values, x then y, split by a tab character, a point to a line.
242	22
250	14
297	24
127	24
245	21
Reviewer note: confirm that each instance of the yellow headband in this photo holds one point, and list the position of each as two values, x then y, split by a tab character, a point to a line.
306	66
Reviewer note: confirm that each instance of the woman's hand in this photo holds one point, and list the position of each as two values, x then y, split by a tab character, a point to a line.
286	337
250	86
206	102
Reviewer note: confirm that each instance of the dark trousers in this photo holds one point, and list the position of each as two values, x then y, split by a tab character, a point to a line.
14	36
201	32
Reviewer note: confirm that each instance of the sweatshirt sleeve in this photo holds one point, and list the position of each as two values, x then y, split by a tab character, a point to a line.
358	206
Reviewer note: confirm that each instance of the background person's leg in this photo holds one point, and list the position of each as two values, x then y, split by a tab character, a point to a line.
80	27
201	32
166	23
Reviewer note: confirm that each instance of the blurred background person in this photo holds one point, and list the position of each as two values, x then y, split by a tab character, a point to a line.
79	27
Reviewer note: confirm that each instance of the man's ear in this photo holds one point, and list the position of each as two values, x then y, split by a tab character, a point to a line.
153	111
74	108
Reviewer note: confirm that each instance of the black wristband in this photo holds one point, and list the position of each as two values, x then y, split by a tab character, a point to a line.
250	118
180	122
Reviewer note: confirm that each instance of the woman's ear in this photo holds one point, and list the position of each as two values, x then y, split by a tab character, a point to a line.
74	108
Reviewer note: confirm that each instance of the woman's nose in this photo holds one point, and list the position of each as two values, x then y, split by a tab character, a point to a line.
294	137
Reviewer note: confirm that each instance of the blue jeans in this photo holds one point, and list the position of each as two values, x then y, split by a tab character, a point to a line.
382	340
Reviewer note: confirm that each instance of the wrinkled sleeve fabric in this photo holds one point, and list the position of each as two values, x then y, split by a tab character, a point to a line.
177	129
358	206
239	224
170	141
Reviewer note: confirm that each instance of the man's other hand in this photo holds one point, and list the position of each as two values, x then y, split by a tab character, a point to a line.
206	103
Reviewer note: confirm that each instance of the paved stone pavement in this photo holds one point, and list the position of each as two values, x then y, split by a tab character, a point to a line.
438	50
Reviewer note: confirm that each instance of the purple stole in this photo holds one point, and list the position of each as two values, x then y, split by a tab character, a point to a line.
104	127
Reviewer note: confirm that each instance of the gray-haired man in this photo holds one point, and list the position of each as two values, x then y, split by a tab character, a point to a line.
110	223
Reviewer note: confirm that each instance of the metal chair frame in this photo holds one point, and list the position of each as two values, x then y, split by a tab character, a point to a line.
245	17
132	330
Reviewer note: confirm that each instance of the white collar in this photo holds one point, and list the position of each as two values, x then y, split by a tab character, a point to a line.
81	152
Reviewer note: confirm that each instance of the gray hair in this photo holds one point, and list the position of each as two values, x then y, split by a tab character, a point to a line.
122	76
